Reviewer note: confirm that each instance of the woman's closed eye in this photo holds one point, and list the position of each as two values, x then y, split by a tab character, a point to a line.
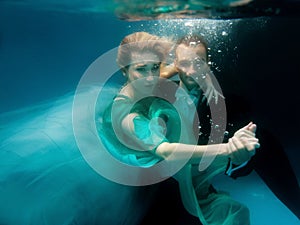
141	69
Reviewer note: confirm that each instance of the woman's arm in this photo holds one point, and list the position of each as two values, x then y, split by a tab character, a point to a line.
168	71
195	152
127	123
240	148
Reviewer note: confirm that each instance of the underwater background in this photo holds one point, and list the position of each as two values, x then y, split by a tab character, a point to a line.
46	48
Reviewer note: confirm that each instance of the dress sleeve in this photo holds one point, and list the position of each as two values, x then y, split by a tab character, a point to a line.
138	146
149	133
148	129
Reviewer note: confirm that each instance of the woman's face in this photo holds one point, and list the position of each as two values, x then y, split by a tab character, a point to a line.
143	71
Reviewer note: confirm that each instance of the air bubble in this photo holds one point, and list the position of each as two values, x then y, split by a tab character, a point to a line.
188	24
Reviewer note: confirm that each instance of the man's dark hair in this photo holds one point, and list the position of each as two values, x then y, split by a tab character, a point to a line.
193	40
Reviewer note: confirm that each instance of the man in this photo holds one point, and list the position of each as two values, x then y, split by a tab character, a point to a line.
191	65
193	75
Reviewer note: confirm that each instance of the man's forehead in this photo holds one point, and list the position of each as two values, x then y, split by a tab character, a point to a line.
192	47
190	51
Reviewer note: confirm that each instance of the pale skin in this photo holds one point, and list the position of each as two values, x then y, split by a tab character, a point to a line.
240	148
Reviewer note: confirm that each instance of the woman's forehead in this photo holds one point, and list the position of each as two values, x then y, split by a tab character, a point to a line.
144	57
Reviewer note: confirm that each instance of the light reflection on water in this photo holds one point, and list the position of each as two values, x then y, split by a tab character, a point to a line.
134	10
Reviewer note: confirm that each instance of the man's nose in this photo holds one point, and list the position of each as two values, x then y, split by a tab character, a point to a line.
191	69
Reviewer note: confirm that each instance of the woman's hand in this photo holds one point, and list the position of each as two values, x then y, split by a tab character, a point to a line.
168	71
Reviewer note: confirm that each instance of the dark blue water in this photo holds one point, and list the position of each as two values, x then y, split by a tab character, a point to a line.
44	53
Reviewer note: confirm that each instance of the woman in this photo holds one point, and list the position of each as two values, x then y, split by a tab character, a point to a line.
142	128
45	180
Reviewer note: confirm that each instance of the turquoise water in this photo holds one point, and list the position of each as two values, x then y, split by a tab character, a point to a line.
46	48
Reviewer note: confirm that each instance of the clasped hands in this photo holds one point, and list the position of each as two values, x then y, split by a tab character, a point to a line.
242	146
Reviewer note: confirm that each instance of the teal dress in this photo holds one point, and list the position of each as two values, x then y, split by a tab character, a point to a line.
148	133
211	207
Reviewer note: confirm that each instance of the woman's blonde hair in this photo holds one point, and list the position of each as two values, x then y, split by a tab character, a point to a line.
142	41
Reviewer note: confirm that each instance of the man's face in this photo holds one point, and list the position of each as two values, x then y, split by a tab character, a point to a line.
191	64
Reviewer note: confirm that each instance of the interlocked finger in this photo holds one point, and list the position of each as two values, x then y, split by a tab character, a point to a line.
239	153
237	143
251	144
244	133
232	148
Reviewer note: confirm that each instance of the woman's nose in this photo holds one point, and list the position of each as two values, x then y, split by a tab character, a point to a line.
149	77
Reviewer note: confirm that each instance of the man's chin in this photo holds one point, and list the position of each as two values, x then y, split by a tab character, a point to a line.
191	85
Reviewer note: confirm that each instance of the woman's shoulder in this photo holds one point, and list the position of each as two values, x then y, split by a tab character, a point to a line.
122	97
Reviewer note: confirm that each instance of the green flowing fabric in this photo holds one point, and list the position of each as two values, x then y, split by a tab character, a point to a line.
150	134
156	122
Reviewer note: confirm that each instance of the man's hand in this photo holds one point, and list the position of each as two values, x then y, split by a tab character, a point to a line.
210	91
204	73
